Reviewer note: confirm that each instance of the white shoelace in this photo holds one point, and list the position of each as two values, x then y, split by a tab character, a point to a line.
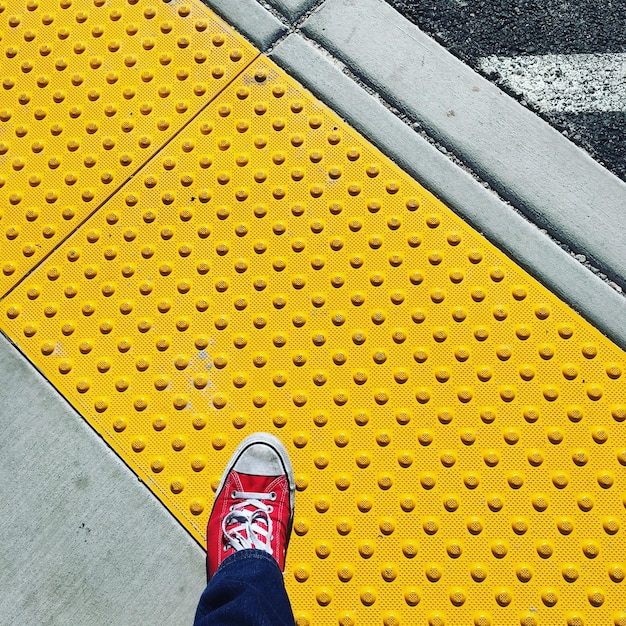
252	522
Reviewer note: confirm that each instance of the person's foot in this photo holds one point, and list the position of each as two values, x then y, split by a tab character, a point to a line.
254	502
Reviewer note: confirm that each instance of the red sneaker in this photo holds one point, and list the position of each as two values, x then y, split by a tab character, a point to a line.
254	502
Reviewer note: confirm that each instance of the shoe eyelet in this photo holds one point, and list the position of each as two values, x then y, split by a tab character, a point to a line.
233	496
273	495
270	509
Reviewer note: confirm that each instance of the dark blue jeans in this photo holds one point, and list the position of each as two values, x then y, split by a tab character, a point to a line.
246	590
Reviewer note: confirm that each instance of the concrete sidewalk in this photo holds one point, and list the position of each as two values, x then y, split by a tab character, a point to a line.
83	541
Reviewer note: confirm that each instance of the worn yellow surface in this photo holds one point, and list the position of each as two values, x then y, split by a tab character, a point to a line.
456	431
90	91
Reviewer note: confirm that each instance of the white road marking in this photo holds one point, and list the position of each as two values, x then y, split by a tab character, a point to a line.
566	83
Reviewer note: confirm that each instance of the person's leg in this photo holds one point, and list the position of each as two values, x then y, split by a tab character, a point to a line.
247	538
246	590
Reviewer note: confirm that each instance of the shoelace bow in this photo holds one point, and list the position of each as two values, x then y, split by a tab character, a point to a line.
252	522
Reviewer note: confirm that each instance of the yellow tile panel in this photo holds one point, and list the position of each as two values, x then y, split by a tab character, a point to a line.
90	91
456	430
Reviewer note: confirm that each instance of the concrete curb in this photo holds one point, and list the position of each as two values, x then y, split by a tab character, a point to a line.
292	9
251	20
510	232
522	157
83	542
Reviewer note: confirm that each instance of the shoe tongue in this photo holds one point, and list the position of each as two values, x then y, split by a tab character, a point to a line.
259	484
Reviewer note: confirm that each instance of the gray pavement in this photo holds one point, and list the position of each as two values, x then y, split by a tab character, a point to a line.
293	9
83	541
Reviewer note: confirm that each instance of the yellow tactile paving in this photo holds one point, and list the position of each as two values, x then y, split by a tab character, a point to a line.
457	431
90	91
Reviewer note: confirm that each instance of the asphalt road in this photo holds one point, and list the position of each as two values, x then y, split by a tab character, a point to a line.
564	59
